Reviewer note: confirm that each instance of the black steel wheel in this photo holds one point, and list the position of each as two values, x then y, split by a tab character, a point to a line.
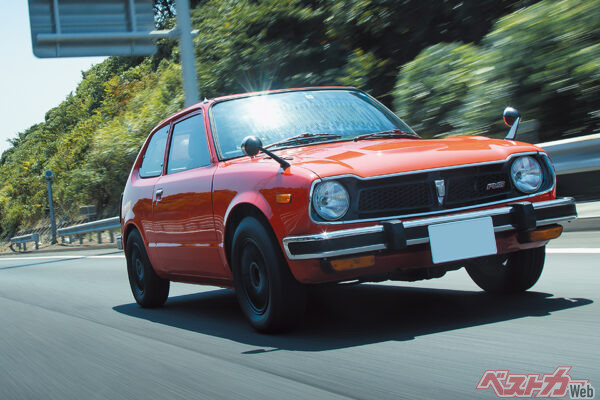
508	273
149	290
269	296
254	276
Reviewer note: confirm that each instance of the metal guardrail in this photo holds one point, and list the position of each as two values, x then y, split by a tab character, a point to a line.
23	239
570	156
107	224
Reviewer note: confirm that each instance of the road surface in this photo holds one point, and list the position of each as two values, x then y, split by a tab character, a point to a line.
69	329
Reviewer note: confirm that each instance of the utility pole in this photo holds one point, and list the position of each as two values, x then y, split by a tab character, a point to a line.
49	177
186	51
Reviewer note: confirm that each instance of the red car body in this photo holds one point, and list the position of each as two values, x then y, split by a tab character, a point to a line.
187	220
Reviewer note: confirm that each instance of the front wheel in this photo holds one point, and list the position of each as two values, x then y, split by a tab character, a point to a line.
508	273
269	296
149	290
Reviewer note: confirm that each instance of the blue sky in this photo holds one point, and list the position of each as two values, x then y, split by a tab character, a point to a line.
30	86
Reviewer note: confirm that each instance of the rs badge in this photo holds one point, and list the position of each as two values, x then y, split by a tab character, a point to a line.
495	185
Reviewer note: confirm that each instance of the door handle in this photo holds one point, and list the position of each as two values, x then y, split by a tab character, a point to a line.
159	193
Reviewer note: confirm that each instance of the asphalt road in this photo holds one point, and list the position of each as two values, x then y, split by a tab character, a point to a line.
69	329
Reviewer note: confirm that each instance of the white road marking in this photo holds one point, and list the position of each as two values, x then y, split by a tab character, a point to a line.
59	257
575	250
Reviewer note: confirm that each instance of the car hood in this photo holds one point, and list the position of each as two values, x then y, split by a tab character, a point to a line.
388	156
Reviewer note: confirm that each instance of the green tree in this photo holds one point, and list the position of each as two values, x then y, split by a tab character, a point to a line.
396	31
542	59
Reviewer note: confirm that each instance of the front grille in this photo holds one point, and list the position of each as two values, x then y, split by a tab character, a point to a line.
467	190
463	187
407	194
404	196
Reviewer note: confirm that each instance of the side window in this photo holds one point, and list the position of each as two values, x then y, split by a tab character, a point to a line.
188	145
155	154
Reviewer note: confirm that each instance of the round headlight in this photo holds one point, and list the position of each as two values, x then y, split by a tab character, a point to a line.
330	200
526	174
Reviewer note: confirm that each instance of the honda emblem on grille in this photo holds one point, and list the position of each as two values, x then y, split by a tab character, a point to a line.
440	186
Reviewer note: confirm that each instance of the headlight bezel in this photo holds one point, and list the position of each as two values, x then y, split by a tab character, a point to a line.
518	184
320	209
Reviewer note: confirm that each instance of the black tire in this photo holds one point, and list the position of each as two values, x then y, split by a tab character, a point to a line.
269	296
148	289
508	273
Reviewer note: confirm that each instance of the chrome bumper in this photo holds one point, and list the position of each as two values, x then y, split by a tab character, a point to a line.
396	235
119	242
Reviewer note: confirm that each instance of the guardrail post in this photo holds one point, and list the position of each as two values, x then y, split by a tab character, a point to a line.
99	236
111	235
80	239
49	177
24	246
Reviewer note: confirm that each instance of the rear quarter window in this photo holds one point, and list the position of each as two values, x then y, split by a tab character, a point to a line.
152	164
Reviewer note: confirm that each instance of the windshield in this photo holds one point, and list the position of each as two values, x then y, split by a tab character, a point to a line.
278	116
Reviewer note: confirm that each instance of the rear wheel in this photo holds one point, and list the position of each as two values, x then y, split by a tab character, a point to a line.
149	290
269	296
508	273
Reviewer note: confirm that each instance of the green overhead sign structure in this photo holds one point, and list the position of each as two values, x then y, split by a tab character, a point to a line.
80	28
83	28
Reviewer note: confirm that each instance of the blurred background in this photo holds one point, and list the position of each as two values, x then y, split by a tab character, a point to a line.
446	67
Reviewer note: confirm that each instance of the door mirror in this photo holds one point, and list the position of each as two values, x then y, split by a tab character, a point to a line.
251	145
510	115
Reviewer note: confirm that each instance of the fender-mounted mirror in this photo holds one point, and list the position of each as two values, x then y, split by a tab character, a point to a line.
251	146
512	117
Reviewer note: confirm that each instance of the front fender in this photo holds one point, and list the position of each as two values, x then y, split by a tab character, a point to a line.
257	183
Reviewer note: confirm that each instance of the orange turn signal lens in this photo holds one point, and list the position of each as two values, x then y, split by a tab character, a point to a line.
283	198
545	233
352	263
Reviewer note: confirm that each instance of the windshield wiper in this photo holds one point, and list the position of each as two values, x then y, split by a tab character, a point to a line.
394	133
304	138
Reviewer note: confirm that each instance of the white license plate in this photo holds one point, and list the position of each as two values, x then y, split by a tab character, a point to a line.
459	240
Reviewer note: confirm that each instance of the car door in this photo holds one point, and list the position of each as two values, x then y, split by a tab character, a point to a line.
182	209
144	180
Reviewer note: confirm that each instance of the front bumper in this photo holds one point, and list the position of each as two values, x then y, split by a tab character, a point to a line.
397	235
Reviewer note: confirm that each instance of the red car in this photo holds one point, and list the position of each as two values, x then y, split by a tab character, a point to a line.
273	191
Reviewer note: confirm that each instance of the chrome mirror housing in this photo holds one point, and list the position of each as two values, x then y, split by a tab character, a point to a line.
511	117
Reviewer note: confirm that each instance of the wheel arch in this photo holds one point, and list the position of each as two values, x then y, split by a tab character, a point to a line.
235	216
129	227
